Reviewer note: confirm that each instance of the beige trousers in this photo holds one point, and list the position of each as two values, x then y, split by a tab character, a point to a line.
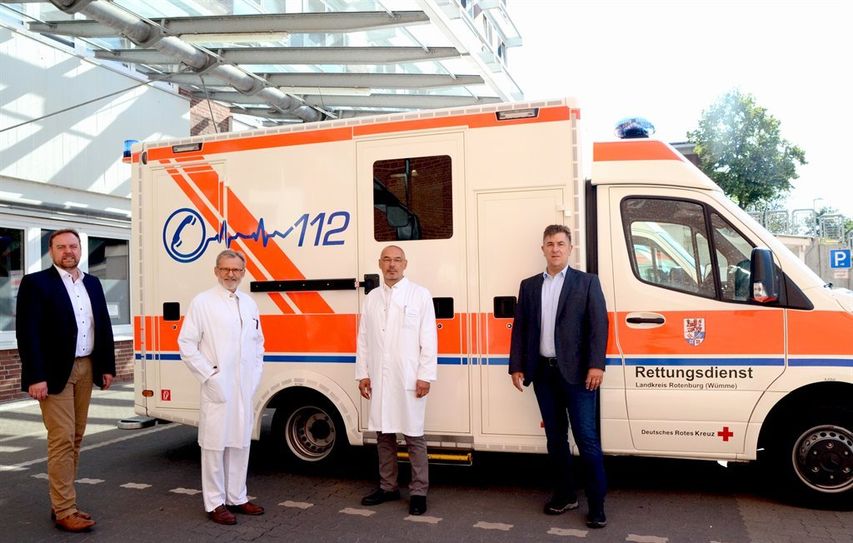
64	416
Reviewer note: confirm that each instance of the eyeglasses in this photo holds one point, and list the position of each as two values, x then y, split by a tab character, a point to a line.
231	270
388	260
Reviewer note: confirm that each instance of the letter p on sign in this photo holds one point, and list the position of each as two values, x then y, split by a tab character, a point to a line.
839	258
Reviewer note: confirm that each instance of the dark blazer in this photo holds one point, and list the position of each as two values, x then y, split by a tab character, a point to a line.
580	333
46	329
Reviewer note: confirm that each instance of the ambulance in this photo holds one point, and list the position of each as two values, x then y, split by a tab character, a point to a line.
723	345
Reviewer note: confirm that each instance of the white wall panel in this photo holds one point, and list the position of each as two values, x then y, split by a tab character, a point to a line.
79	149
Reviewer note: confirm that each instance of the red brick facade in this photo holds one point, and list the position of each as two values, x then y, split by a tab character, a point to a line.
10	370
200	118
10	376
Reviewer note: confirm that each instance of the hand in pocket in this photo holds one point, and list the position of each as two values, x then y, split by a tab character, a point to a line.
214	389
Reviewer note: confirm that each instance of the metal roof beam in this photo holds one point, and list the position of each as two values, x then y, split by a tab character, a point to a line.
295	55
403	101
267	113
398	101
343	80
292	23
147	34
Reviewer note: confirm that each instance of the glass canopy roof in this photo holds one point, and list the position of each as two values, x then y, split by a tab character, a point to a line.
299	60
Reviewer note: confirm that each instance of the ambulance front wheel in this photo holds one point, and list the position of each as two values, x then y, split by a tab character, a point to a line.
819	458
309	432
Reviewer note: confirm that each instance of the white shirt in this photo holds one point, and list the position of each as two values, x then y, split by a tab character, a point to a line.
551	287
82	305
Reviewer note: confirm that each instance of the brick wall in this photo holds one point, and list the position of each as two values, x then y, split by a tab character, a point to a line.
200	119
10	370
10	376
124	360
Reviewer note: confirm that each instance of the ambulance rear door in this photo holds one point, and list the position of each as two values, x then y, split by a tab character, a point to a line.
180	203
411	193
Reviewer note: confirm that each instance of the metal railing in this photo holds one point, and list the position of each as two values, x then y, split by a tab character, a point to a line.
806	222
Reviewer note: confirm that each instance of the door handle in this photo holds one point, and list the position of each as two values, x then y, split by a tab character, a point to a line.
645	320
371	281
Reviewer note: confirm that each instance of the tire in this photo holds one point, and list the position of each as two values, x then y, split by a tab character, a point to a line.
309	431
816	454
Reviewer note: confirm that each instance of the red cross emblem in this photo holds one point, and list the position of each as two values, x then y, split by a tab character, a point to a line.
725	433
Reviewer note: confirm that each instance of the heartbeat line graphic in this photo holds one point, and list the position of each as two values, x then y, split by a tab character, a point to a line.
185	236
259	233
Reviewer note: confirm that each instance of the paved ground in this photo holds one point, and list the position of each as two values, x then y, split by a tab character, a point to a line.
143	485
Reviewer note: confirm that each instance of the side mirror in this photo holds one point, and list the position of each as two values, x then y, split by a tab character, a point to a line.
764	283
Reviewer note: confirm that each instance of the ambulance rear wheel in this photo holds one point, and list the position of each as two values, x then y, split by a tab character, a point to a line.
311	432
818	459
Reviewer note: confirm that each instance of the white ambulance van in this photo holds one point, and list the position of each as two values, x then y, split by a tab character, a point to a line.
722	343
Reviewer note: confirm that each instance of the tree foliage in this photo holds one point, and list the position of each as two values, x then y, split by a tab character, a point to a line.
740	147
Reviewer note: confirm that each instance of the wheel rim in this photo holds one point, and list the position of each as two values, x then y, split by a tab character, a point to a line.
823	458
310	433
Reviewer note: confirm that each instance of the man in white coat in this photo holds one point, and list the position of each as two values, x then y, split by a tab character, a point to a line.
222	344
396	362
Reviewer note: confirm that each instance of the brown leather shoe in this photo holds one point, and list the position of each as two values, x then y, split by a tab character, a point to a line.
81	514
221	515
247	508
74	523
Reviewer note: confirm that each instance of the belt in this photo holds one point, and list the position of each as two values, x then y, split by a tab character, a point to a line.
550	361
82	357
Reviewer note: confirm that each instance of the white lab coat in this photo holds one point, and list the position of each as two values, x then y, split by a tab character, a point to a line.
396	348
212	337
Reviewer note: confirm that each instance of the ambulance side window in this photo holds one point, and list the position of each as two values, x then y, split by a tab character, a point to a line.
668	243
413	198
733	255
671	248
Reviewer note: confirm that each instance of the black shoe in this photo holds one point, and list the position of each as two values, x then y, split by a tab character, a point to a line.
417	505
596	520
557	505
380	496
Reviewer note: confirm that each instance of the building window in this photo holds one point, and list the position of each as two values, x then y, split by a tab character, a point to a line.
412	198
46	260
109	262
11	272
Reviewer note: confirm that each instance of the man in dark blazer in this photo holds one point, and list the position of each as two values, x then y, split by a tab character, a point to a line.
559	339
65	341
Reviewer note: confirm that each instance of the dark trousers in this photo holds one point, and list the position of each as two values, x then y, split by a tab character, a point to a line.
561	403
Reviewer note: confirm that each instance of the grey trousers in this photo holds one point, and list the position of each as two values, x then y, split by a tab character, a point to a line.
386	447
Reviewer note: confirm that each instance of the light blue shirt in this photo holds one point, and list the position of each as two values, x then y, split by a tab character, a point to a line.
551	287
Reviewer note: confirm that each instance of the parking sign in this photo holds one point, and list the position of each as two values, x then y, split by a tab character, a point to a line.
839	258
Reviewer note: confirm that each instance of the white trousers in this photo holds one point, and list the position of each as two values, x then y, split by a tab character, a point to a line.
223	477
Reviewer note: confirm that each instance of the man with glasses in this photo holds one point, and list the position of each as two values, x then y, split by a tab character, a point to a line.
222	344
397	360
